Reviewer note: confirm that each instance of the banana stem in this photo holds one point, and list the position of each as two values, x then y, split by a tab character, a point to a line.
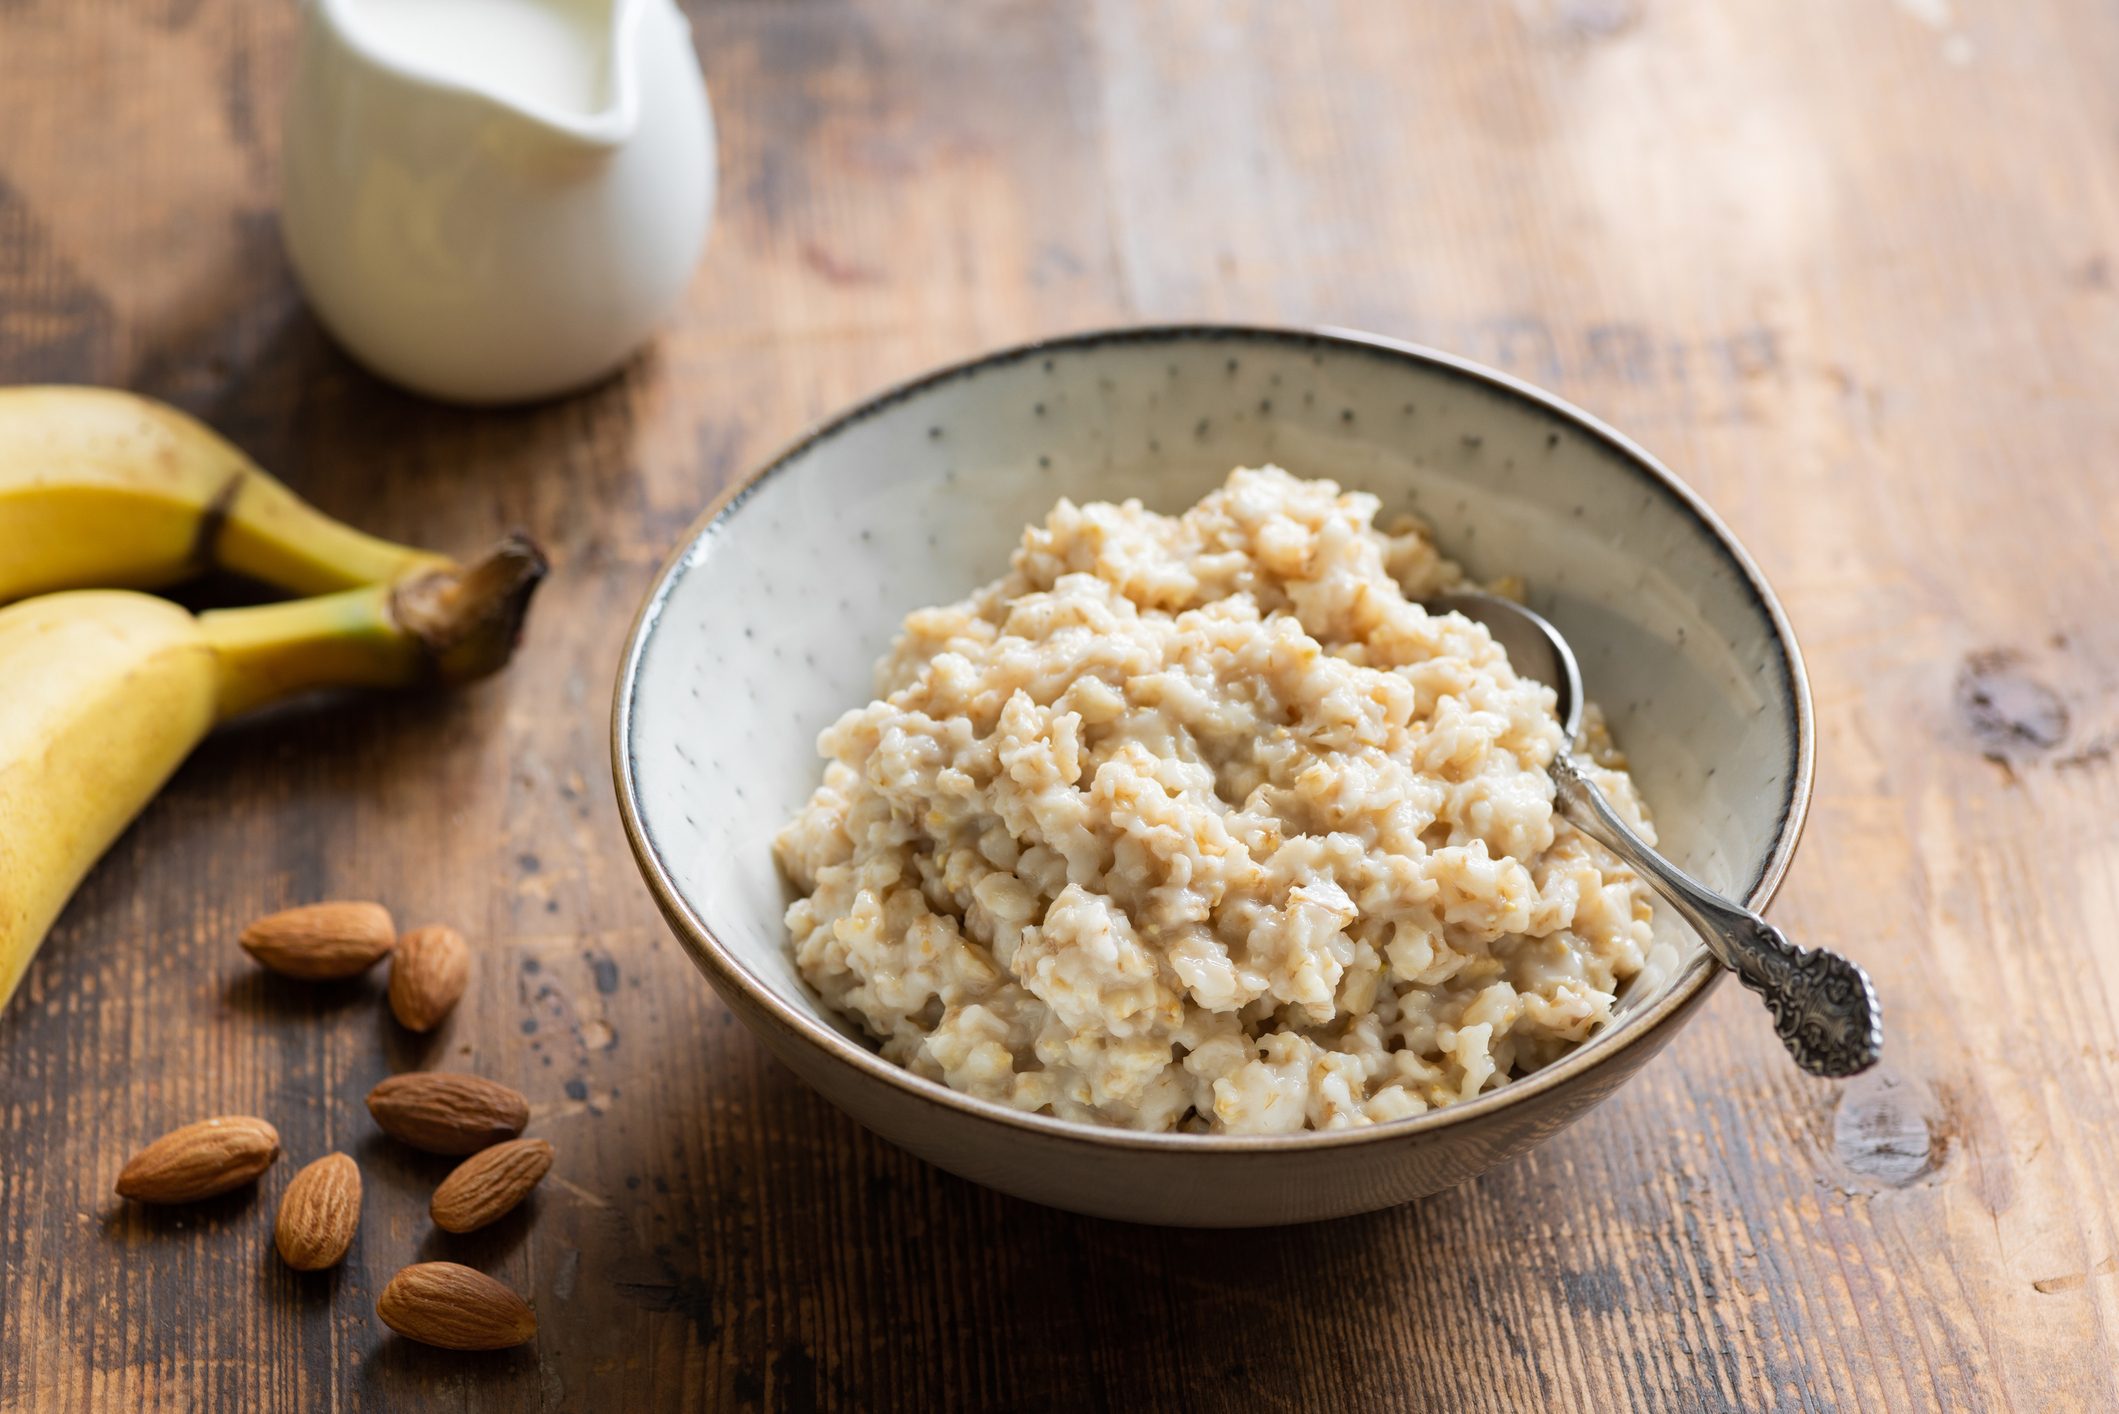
450	626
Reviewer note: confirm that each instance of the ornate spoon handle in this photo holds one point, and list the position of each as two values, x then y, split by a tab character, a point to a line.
1823	1006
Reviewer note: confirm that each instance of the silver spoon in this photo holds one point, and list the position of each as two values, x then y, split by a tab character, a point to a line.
1823	1006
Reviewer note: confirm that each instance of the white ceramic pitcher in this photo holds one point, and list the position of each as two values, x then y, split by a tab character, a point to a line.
495	200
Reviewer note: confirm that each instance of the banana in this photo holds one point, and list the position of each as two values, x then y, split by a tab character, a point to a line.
107	691
102	488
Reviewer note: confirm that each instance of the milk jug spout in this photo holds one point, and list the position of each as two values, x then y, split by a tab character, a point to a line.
564	70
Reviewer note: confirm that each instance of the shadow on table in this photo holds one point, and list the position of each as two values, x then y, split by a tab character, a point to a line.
448	1378
131	1223
396	464
821	1266
314	1293
262	371
258	995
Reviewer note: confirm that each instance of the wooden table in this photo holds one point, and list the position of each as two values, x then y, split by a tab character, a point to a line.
1853	269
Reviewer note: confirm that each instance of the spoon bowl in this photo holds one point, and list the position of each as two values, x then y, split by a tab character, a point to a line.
1535	649
1824	1007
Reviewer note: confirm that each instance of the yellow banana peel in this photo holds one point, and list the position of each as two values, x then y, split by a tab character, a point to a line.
105	489
107	691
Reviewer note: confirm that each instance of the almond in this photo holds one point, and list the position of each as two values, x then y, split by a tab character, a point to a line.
448	1113
319	1214
200	1160
442	1303
322	942
427	976
489	1184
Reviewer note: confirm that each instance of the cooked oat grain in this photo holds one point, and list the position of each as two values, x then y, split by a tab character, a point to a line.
1202	822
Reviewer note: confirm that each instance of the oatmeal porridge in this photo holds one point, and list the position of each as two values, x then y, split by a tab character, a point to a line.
1201	822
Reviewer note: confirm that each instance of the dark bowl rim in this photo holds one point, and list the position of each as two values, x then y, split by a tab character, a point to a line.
722	968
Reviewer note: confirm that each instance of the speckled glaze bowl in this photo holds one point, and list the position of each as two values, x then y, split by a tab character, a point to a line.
765	624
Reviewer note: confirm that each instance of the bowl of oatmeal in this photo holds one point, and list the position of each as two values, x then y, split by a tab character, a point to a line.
1053	762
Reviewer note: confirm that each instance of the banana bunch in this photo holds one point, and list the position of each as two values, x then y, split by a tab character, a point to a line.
104	691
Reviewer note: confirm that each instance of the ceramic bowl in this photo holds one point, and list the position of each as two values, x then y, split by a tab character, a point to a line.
765	623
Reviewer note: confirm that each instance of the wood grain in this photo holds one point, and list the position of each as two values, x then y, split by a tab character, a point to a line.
1853	269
